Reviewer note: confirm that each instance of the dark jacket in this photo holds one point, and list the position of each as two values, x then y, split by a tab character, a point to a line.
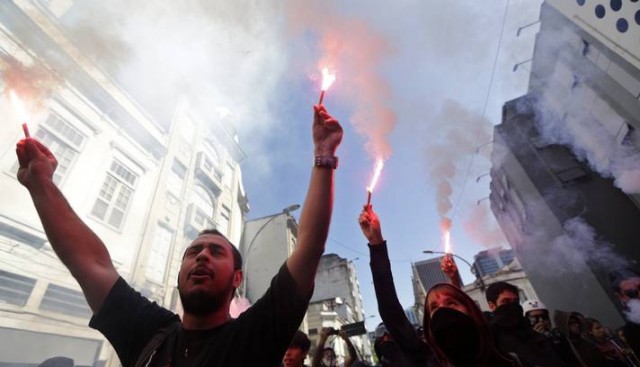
632	335
532	347
416	351
586	354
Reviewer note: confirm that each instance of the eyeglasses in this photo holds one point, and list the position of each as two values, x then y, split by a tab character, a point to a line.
536	319
631	293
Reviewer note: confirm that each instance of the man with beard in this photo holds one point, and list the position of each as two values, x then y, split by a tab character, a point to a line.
513	332
143	333
626	285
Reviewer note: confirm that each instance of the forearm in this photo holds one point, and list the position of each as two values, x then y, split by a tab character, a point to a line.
81	251
317	356
391	311
313	229
353	354
456	280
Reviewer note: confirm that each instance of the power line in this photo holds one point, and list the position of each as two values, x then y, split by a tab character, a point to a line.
363	253
484	109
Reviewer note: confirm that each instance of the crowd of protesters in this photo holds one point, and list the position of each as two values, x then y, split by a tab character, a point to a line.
454	332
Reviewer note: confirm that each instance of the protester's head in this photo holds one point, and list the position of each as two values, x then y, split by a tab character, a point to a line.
386	349
210	272
501	293
297	350
538	314
594	329
455	327
626	284
575	324
329	357
620	334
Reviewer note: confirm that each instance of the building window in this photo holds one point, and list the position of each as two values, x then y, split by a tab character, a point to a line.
63	140
64	300
204	201
175	180
15	289
228	175
157	263
115	195
223	222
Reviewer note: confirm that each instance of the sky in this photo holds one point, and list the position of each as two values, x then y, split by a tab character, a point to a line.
419	84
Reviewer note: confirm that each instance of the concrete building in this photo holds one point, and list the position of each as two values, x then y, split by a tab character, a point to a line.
488	262
426	274
512	274
266	244
569	225
143	187
337	301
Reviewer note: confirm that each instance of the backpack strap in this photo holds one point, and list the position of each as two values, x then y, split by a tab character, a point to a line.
152	346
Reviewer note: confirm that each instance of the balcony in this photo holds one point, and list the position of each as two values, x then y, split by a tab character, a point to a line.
197	221
208	173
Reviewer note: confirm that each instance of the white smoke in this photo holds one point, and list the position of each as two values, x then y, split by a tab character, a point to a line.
571	113
633	311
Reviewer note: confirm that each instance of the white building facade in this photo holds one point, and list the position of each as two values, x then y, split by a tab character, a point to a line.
145	189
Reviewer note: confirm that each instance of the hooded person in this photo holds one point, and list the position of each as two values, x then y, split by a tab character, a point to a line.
456	330
585	353
387	350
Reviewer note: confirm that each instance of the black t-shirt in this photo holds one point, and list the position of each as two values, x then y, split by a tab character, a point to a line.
259	336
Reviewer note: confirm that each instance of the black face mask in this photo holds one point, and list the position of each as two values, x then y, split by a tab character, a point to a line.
509	315
456	334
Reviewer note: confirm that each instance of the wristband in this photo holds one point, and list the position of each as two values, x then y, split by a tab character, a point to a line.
324	161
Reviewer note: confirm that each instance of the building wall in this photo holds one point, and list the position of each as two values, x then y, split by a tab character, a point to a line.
568	224
513	274
336	278
266	244
104	141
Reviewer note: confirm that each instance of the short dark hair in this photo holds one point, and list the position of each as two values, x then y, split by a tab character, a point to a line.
237	257
300	340
616	277
494	290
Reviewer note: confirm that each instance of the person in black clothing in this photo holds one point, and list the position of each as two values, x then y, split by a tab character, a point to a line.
585	353
454	328
607	344
415	351
513	332
143	333
387	350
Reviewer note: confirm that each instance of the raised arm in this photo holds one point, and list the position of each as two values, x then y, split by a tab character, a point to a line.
353	354
317	355
450	269
391	311
313	228
81	251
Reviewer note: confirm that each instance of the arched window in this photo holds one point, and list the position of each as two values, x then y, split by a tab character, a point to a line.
204	201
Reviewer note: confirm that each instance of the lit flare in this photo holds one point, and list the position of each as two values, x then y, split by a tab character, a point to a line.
374	180
327	79
21	111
